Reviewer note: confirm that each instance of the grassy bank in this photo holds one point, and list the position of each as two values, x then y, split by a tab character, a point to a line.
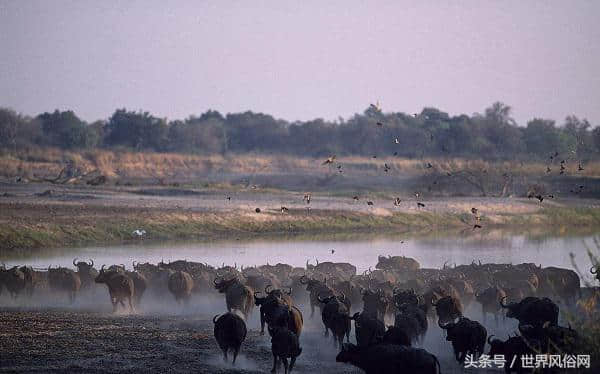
79	228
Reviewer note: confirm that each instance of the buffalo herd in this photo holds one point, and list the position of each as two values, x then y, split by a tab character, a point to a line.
391	306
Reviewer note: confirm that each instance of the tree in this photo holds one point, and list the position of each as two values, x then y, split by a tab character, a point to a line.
138	130
66	130
9	128
541	138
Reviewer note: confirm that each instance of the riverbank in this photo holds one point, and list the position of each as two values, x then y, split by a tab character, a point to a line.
36	217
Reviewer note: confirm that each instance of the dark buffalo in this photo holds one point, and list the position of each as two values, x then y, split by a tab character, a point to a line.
368	329
64	280
237	295
181	285
559	282
375	303
397	336
343	270
448	308
315	288
230	332
335	316
398	263
13	279
389	359
86	272
140	284
269	306
351	290
512	350
467	337
412	320
553	339
284	345
489	299
532	311
120	287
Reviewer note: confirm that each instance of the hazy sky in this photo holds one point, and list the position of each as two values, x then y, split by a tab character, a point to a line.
300	59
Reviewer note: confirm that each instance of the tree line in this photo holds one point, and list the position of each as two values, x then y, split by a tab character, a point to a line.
492	135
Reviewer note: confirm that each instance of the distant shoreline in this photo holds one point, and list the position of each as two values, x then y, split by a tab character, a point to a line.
31	221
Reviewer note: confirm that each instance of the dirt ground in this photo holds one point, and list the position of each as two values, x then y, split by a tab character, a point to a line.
86	341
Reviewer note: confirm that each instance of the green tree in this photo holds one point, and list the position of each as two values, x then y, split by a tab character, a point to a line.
66	130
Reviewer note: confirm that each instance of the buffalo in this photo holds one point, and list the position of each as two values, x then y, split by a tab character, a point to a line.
396	335
413	321
489	299
230	332
284	345
448	308
467	336
86	272
512	350
13	279
389	359
368	329
315	288
237	295
532	311
64	280
552	339
335	316
397	263
181	284
120	287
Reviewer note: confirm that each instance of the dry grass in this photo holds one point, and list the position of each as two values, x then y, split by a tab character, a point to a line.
115	164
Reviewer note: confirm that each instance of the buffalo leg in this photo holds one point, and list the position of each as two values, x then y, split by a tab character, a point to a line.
285	364
225	354
312	309
275	362
236	350
262	323
131	307
292	362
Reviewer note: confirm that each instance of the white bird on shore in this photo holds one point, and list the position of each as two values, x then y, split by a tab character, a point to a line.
139	233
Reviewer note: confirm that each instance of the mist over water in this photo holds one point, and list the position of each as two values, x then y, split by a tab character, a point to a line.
430	252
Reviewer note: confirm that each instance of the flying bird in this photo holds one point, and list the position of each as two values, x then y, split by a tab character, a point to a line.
284	209
397	201
429	166
355	198
332	251
580	168
396	141
476	226
257	210
540	198
379	124
548	170
420	205
369	203
330	160
474	210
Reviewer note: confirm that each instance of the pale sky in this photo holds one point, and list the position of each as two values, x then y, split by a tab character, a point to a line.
299	60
